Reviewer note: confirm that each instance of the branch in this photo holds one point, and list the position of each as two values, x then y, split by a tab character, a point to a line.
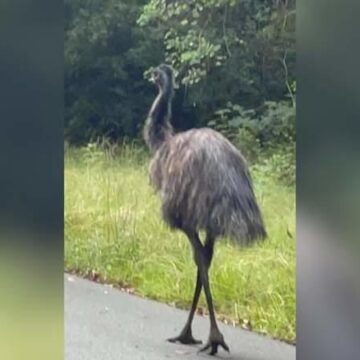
283	61
292	12
224	31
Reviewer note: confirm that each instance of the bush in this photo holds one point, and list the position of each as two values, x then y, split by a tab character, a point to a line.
272	123
248	144
280	165
275	125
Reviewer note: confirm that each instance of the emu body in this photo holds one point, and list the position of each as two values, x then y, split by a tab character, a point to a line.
204	184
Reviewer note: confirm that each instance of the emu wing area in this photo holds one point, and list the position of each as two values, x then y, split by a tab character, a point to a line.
204	184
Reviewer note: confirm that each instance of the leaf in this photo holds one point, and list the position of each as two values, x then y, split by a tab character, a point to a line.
235	121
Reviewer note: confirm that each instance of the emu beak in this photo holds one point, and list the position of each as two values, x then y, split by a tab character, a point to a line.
152	78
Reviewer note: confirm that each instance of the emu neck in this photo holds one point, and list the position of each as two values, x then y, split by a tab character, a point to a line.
158	128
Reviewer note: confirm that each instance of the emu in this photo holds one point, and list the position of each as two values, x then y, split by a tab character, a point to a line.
204	184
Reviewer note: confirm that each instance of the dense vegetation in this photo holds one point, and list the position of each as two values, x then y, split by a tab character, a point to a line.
235	63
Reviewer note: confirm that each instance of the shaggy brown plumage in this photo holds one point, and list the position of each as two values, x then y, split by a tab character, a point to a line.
204	184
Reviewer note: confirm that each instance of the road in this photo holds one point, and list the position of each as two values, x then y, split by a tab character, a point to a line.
103	323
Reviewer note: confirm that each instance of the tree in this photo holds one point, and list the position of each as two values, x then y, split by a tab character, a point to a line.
227	50
105	58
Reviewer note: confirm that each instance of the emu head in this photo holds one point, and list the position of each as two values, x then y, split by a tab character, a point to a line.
163	76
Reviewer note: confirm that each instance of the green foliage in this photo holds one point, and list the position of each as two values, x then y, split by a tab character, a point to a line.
281	164
201	35
234	60
249	145
276	125
268	128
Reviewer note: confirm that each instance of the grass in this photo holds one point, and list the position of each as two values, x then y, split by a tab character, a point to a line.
113	228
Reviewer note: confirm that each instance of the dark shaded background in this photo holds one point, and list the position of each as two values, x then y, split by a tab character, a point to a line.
328	174
31	181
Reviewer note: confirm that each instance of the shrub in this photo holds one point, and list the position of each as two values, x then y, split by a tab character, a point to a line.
280	165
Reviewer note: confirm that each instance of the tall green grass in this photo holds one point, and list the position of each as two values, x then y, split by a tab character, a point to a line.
113	228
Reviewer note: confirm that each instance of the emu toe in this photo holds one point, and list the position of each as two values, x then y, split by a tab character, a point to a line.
216	339
186	338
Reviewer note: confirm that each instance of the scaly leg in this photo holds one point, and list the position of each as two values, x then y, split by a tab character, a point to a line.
216	338
185	336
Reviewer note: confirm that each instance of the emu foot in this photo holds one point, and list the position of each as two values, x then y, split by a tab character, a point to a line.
215	340
185	337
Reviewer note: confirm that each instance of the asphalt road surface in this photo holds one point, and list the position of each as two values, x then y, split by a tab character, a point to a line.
102	323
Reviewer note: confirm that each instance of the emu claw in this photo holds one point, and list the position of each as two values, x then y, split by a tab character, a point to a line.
214	342
185	338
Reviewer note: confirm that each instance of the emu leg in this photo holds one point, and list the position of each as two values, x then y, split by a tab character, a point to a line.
185	336
216	338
